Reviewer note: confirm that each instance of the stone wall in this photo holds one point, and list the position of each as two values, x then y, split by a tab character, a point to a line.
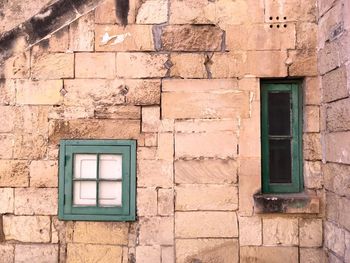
334	59
183	79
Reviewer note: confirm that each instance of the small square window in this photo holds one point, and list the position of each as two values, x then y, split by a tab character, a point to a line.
97	180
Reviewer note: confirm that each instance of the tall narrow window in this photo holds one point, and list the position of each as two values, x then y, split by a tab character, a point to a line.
281	137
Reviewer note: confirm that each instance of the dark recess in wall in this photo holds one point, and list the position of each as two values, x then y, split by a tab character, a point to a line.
122	11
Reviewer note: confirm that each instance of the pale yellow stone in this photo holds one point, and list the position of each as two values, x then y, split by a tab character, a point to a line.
312	146
7	252
165	202
113	233
42	253
150	119
7	144
14	173
43	174
156	231
8	92
206	197
95	65
81	33
151	139
302	62
205	224
313	255
206	125
36	201
250	231
6	200
87	253
16	67
310	232
143	92
334	238
280	231
146	202
168	254
7	115
52	66
27	228
269	254
155	173
153	12
312	90
313	175
228	65
39	92
188	65
148	254
165	146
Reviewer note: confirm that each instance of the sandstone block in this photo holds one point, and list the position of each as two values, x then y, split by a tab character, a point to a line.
205	172
302	62
206	197
103	129
313	175
249	134
153	12
206	125
112	233
156	231
23	148
147	153
95	65
148	254
43	173
146	202
312	255
151	139
306	35
6	200
141	65
312	119
155	173
228	65
52	66
8	92
344	210
330	23
328	57
81	33
334	238
118	112
7	252
191	38
188	65
280	231
269	254
14	173
214	144
165	146
7	116
250	231
43	253
336	178
205	224
335	84
337	146
143	92
165	202
7	144
79	253
17	66
312	146
150	119
310	232
312	91
27	228
168	254
105	12
36	201
57	42
207	250
39	92
120	38
338	115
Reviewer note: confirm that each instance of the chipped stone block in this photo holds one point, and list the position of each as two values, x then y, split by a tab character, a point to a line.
312	146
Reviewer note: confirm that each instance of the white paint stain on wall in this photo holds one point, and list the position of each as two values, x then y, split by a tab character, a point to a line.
106	38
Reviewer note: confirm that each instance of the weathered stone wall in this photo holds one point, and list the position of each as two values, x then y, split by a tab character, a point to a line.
183	78
334	59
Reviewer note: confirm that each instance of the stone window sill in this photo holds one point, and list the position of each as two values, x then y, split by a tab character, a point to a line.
299	203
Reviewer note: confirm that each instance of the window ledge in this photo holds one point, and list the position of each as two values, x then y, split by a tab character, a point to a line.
298	203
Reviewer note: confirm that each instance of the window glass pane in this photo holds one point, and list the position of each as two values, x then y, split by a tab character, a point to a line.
280	161
110	193
279	113
110	166
84	193
85	166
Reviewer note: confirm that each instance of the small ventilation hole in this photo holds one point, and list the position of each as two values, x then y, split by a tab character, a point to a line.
285	25
277	17
271	26
271	17
278	26
285	18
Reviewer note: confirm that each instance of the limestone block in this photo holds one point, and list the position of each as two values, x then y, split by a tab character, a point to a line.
330	24
148	254
141	65
155	173
168	254
338	115
188	65
105	13
14	173
87	253
306	35
153	12
336	178
36	201
269	254
260	37
324	6
7	252
312	146
191	38
312	91
205	224
33	120
119	38
214	144
118	112
205	172
96	129
16	67
310	232
312	119
165	146
207	250
334	238
52	66
344	210
143	92
280	231
27	228
335	84
250	231
332	206
147	153
150	119
146	202
151	139
165	202
228	65
6	200
81	33
206	197
57	42
249	134
266	63
302	62
328	57
206	125
43	253
313	175
312	255
337	147
347	245
112	233
7	116
39	92
43	173
95	65
7	144
7	92
23	148
156	231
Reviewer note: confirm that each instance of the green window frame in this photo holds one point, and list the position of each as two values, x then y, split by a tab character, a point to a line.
124	212
270	142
